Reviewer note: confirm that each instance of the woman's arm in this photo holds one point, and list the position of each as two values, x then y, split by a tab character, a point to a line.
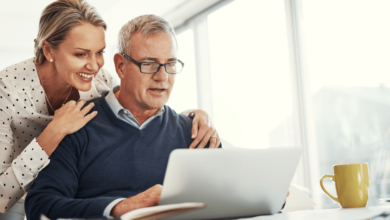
16	172
203	130
18	175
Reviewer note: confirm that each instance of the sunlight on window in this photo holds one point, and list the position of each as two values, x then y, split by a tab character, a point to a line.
348	60
251	74
183	95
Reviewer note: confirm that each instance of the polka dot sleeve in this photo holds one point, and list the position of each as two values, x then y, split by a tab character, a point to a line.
16	172
27	165
10	190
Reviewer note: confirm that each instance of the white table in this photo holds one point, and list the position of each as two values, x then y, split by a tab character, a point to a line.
329	214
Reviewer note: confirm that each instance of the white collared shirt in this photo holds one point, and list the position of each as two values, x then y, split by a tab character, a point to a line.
23	116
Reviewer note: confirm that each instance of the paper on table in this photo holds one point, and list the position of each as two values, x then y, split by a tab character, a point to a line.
297	200
151	213
161	211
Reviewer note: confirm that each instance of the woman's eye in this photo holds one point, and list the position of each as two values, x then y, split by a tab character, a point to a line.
80	54
101	52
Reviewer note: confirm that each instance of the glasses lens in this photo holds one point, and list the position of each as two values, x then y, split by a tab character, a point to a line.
174	67
149	67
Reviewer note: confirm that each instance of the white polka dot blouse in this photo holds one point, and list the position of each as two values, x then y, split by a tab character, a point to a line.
23	116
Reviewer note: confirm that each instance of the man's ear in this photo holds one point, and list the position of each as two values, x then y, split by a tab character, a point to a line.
47	51
120	65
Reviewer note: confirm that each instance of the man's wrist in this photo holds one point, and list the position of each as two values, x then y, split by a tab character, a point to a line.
109	209
117	210
125	206
140	200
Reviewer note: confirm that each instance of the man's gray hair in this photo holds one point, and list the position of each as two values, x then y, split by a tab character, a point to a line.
146	24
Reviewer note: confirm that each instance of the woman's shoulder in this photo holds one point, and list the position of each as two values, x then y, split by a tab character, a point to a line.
24	65
19	75
104	80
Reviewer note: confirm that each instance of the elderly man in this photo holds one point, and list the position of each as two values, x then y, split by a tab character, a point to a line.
117	162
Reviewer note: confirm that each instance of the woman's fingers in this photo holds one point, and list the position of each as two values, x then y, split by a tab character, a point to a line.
206	138
194	131
69	104
195	127
87	108
90	116
218	141
73	116
80	104
202	131
213	140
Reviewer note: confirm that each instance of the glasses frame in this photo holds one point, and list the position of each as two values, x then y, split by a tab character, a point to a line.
158	69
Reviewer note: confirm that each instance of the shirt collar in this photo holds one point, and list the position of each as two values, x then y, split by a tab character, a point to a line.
116	107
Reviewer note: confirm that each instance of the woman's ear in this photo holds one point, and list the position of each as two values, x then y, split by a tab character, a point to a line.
47	51
120	65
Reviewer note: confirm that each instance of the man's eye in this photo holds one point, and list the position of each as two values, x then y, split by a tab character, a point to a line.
172	64
147	64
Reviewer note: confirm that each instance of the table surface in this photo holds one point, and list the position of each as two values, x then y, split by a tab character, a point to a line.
373	213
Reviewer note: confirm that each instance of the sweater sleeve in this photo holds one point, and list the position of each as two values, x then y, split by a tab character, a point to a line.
16	174
53	192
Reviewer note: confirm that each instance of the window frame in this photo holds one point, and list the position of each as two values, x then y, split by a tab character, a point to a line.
299	78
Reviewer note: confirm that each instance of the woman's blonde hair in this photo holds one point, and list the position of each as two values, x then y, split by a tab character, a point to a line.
58	18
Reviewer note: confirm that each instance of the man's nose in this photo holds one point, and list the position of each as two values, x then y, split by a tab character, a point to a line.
92	64
161	75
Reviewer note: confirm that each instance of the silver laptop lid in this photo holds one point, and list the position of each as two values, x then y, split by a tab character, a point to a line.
231	182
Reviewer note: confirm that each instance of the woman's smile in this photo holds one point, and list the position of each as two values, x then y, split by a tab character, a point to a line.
85	76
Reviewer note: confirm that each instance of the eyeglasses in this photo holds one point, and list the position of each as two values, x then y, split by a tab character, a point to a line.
154	67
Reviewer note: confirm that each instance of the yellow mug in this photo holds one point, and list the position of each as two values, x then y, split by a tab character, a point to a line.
351	182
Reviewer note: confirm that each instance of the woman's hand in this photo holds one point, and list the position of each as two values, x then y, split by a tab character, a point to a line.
68	119
71	117
203	131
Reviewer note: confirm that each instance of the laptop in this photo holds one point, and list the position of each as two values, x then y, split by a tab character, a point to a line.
231	182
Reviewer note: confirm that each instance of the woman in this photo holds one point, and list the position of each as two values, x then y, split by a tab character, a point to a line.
38	96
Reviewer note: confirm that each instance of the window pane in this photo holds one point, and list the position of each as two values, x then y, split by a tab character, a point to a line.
251	74
183	95
348	52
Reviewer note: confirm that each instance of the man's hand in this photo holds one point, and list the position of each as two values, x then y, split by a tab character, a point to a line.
151	197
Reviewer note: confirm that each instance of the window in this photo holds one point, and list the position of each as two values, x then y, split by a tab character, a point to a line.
184	95
251	86
348	62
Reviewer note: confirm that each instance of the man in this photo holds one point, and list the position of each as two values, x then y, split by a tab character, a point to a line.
123	152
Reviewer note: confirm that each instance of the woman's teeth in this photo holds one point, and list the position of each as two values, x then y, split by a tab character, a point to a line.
85	75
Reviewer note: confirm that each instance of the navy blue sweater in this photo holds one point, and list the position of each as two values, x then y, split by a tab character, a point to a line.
105	160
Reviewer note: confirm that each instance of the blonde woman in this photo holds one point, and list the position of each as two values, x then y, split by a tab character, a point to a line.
39	97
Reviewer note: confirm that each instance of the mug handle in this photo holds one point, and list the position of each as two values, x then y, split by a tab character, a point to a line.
323	188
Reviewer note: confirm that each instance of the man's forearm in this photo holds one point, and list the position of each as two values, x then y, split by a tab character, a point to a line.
150	197
56	206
